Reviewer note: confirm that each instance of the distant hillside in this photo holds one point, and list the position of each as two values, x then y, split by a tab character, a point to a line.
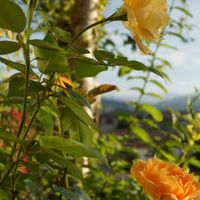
110	106
179	104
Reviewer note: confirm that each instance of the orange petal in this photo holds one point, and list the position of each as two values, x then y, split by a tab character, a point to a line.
136	169
152	189
141	46
168	197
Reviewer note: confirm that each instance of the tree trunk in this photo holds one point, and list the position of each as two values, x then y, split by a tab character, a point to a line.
85	13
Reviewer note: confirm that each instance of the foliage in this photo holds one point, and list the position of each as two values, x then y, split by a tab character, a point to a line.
175	140
113	182
50	133
45	132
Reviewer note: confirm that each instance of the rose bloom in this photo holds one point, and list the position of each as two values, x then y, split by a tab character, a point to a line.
146	19
165	181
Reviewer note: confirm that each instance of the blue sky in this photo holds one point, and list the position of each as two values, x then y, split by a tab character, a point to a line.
185	74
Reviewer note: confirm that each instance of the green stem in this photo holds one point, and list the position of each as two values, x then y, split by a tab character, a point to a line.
26	53
87	28
7	173
95	24
63	182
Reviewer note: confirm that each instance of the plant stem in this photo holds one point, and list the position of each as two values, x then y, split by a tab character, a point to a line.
7	173
85	29
93	25
63	181
26	53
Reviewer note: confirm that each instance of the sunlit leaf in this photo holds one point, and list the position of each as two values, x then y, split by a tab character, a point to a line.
184	11
102	89
141	133
158	84
78	111
153	111
86	67
169	156
50	61
69	146
62	35
153	95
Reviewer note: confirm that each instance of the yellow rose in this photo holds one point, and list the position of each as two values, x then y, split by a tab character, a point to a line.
146	19
165	181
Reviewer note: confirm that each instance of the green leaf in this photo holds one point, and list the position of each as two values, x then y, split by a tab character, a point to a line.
87	67
184	11
169	46
62	35
17	66
46	121
50	61
153	95
169	156
43	44
178	35
32	186
81	193
4	155
121	60
164	61
11	16
50	58
17	86
141	133
194	161
7	47
77	97
137	66
4	194
137	89
60	159
78	111
69	146
9	137
77	129
103	56
158	84
137	77
65	192
150	123
124	71
153	111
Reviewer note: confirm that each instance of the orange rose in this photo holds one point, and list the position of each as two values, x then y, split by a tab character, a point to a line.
146	19
165	181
